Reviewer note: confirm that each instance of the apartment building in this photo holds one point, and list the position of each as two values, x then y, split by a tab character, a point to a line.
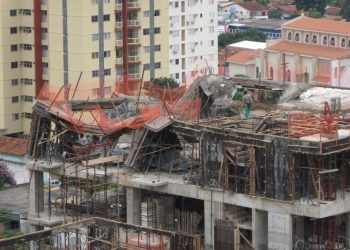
61	42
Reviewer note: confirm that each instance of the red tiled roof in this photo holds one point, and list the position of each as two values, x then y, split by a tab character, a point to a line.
13	146
253	6
323	25
290	9
243	57
311	50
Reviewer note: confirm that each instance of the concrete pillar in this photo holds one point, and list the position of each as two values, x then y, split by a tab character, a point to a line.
348	229
212	210
133	206
259	229
280	231
36	192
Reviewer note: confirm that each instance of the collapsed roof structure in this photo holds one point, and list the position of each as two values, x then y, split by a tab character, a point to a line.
185	161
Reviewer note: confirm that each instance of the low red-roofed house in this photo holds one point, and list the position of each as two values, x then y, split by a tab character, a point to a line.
243	63
251	10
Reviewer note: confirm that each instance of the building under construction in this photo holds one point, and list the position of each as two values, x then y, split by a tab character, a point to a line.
181	169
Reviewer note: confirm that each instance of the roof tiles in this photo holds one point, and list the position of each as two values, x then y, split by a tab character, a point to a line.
243	57
321	25
310	50
13	146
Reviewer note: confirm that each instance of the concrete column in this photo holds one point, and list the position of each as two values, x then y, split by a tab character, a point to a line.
36	192
212	211
348	229
280	231
133	206
259	229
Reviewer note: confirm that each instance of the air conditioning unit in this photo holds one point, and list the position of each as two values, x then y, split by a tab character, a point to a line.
21	46
20	11
192	49
171	25
188	22
211	20
174	52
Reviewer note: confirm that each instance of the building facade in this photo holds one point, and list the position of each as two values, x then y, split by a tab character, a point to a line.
309	51
63	42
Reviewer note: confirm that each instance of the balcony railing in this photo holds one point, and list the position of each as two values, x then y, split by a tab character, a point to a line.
130	23
119	60
119	6
130	41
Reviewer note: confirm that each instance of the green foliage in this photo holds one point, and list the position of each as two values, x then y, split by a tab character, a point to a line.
11	233
5	215
314	14
250	35
275	13
6	177
306	5
165	82
264	2
345	9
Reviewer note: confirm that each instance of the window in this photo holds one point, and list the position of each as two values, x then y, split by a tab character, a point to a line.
146	13
28	98
94	19
95	73
146	66
13	30
14	47
107	72
106	18
297	38
27	64
27	81
96	1
13	12
27	12
177	75
325	41
342	43
107	90
289	37
314	39
14	65
332	41
145	31
27	29
107	36
14	82
157	13
157	65
211	43
156	30
271	73
146	49
336	72
94	37
211	29
177	61
157	47
107	54
27	46
15	99
307	38
28	115
15	116
94	55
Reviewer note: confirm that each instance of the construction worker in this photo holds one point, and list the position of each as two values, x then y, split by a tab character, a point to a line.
247	103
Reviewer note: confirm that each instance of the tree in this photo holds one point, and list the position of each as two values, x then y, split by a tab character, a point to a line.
306	5
345	9
5	215
165	82
275	14
264	2
314	14
6	177
250	35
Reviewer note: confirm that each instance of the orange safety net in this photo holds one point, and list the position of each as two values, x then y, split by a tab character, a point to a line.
307	124
172	102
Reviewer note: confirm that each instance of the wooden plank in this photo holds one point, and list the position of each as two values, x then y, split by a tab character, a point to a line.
102	160
328	171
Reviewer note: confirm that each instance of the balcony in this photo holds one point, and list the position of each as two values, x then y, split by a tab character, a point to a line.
132	24
131	42
132	6
131	60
